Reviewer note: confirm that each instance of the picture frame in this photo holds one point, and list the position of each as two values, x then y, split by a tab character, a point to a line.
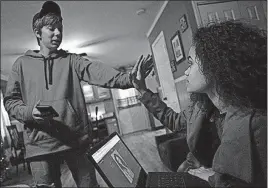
183	23
177	47
173	65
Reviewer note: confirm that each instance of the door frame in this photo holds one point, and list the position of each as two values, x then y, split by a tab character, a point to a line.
161	34
195	5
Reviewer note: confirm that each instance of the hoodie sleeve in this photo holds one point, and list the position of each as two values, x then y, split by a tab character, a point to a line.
225	180
167	116
13	98
97	73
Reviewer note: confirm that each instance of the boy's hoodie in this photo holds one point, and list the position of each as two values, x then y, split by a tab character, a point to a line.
55	80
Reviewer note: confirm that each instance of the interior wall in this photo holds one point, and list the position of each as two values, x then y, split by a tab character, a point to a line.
3	86
169	24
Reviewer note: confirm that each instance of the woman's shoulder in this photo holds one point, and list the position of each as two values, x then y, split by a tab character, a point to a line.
259	121
238	122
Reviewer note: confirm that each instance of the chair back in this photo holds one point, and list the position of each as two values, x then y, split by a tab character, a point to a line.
16	137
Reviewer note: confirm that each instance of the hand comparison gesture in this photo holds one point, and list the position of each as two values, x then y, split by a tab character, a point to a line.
140	71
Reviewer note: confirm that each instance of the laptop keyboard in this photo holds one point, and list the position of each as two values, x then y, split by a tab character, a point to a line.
167	180
170	180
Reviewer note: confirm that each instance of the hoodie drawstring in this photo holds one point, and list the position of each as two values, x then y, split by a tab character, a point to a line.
50	63
45	70
50	68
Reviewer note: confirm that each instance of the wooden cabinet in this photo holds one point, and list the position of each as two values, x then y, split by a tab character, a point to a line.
105	126
100	129
118	110
112	125
95	94
134	118
102	93
88	92
131	114
107	116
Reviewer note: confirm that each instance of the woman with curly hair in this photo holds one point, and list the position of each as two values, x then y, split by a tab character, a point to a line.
226	121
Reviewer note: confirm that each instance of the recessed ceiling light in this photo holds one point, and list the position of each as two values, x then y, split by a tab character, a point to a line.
140	11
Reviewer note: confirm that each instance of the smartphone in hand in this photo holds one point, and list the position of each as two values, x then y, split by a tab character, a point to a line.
47	110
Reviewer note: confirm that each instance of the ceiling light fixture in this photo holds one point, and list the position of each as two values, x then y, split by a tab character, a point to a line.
140	11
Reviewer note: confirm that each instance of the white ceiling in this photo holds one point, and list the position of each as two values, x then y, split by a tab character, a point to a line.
116	33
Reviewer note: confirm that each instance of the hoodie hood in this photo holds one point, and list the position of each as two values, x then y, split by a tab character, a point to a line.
36	54
48	63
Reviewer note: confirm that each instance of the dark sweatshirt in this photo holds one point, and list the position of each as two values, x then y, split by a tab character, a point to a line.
55	81
241	158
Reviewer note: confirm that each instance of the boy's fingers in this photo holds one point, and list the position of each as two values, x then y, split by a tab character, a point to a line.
147	73
148	63
150	66
140	64
149	69
148	56
135	68
137	63
139	71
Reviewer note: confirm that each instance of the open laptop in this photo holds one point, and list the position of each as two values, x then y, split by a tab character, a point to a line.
119	168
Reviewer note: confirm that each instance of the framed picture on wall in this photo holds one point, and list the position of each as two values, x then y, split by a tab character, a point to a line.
183	23
177	47
173	66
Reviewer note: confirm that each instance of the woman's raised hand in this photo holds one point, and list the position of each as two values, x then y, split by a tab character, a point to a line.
140	71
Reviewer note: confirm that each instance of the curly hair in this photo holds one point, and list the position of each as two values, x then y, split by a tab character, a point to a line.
233	55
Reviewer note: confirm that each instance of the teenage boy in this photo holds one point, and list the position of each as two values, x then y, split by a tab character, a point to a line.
52	77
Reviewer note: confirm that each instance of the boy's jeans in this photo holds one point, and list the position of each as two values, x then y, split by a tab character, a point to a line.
47	171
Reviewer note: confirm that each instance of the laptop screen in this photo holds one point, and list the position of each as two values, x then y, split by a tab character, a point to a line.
117	163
